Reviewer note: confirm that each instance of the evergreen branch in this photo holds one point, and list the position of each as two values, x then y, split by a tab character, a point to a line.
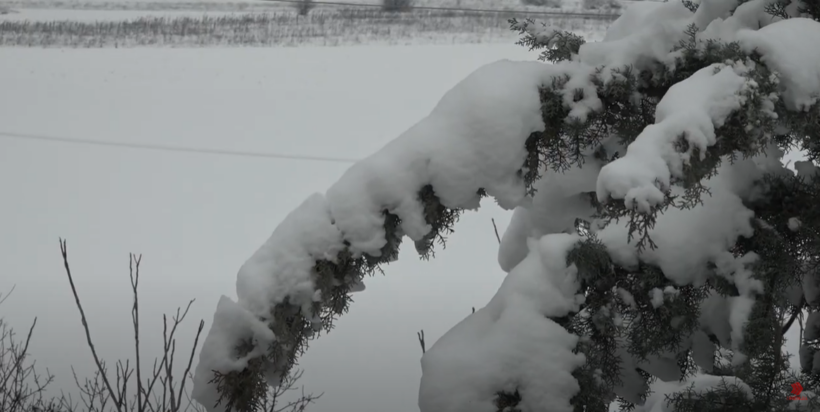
791	320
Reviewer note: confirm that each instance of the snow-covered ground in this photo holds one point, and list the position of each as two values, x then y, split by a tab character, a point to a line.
196	218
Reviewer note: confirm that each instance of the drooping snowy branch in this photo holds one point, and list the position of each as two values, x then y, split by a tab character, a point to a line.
677	110
474	143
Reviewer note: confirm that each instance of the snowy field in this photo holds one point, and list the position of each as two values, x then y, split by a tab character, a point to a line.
196	218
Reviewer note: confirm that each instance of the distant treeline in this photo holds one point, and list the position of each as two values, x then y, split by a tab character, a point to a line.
344	26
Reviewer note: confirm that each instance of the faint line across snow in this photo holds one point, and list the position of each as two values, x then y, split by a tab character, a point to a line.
169	148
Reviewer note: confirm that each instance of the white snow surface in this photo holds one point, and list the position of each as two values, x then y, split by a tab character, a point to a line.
644	32
688	239
473	139
519	346
794	224
657	297
218	352
790	48
691	108
557	202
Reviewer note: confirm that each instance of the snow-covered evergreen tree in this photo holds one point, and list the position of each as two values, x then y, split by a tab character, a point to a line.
657	237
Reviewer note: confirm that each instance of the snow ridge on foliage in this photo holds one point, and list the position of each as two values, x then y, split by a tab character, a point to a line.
524	349
490	135
692	109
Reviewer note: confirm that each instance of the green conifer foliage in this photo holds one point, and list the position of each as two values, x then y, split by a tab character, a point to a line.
788	258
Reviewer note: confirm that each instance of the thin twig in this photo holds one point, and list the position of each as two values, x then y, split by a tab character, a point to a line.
134	275
801	327
788	324
6	296
100	368
19	357
191	358
496	231
18	391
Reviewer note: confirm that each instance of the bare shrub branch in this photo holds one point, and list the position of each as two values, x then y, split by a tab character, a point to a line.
495	228
420	335
100	364
157	390
22	387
